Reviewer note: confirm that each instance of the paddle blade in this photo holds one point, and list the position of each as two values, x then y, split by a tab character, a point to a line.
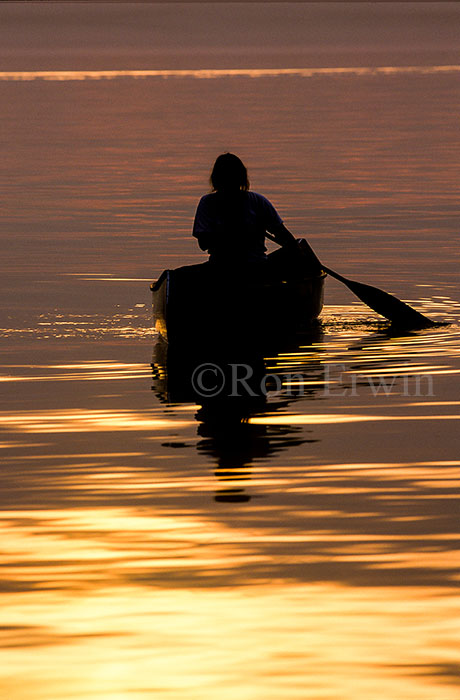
395	310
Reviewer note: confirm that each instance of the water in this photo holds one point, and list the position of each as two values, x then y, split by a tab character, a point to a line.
303	547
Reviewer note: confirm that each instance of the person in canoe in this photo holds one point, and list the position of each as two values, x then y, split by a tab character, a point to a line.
232	222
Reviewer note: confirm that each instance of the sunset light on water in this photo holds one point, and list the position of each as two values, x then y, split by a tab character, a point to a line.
162	543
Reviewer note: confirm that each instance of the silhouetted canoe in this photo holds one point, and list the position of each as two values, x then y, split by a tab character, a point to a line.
193	304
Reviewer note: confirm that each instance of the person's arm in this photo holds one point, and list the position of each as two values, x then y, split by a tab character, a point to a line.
282	236
278	233
274	226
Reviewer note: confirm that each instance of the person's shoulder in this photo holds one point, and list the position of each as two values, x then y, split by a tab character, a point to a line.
207	197
257	197
254	195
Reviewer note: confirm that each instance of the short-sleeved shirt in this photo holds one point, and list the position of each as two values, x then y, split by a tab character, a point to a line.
233	228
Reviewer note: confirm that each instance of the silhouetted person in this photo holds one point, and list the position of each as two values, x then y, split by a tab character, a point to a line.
231	222
239	284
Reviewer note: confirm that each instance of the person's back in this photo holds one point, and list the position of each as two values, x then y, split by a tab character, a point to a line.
232	226
231	222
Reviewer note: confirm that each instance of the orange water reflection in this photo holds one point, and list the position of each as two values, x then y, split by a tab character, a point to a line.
126	595
156	548
305	547
212	655
224	641
206	74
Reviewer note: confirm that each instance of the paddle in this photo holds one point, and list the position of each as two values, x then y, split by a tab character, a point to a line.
400	314
395	310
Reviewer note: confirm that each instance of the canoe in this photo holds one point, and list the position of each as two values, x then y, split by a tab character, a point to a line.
192	302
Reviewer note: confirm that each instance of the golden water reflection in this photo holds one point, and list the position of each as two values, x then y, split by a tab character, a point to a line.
206	74
195	644
131	596
132	323
306	547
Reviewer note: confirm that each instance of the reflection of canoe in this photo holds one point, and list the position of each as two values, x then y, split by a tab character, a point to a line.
192	300
174	365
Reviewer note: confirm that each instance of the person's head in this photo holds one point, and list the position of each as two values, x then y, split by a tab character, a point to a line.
229	174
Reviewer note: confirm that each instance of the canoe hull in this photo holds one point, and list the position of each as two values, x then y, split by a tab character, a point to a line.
187	305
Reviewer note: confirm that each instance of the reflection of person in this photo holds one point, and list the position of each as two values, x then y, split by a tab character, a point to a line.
230	439
231	222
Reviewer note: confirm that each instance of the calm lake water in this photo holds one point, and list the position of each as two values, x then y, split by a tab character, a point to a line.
304	548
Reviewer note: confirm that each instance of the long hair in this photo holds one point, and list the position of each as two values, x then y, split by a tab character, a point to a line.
229	174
